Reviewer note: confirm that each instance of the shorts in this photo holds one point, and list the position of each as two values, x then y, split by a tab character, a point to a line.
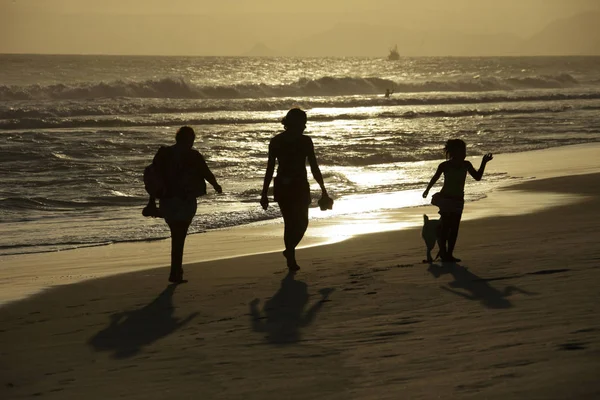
289	190
178	209
448	204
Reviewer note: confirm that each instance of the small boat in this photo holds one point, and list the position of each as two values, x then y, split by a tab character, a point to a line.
394	55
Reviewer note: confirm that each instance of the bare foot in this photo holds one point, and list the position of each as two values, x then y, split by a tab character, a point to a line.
293	267
291	261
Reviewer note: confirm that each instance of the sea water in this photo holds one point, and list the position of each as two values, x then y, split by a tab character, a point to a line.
77	131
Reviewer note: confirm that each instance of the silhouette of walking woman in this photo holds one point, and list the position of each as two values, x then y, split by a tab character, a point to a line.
181	171
450	199
291	191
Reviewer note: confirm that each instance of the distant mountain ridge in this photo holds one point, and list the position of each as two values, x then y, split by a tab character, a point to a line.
575	35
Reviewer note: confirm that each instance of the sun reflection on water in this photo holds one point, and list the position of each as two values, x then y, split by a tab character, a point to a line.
357	204
364	214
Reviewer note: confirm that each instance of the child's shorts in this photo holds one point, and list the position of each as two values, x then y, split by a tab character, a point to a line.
178	209
448	204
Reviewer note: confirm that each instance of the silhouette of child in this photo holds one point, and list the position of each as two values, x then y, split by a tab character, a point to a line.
450	199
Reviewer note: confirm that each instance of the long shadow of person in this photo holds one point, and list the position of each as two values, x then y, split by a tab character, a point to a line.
129	331
479	289
284	312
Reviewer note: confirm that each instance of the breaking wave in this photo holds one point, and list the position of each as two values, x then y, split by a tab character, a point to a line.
179	88
111	121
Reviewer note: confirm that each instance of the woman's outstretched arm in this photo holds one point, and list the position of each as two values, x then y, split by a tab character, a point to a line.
264	200
314	167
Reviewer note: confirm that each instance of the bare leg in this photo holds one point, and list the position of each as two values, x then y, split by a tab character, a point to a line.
453	234
301	224
443	233
178	234
295	219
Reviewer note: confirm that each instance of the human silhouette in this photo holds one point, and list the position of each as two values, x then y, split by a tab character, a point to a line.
388	93
290	149
450	199
129	331
283	314
182	171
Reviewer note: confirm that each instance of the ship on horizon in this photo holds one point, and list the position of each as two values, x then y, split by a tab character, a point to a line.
394	55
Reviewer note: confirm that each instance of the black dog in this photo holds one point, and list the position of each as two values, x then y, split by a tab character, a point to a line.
430	235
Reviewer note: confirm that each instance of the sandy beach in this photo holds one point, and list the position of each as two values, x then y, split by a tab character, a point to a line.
363	319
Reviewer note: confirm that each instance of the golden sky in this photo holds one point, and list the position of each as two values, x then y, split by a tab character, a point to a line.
230	27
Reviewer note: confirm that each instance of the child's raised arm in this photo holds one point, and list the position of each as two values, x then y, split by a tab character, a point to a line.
433	180
477	175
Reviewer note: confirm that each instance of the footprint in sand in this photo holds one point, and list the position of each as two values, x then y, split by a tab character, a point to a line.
585	330
384	269
572	346
548	272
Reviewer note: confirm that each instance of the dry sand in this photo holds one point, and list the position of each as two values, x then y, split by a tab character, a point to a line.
364	319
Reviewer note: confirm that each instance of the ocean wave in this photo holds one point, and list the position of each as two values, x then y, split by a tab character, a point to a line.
210	119
47	204
337	177
14	154
130	111
364	158
32	248
113	122
180	88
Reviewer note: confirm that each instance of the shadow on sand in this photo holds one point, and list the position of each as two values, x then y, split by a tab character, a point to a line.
283	314
129	331
478	288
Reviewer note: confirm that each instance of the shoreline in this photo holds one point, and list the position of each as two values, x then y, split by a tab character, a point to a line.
18	279
345	207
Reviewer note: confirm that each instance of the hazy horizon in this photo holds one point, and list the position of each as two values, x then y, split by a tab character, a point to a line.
336	28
